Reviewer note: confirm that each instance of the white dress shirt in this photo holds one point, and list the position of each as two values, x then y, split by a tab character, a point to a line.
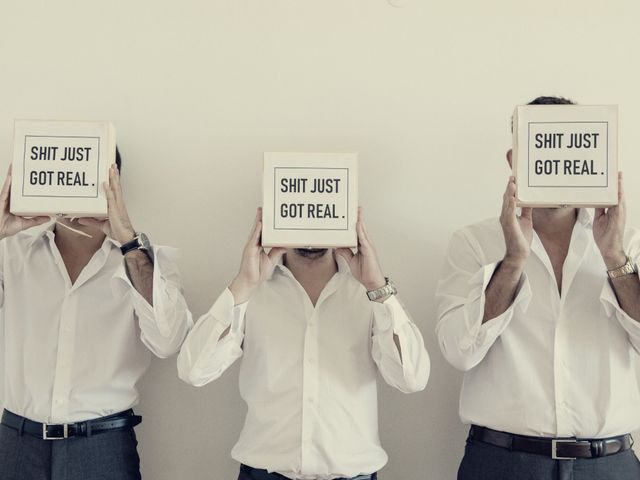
551	365
76	352
308	374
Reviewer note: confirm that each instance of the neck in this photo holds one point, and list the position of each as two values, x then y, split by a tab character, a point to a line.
69	240
552	221
311	269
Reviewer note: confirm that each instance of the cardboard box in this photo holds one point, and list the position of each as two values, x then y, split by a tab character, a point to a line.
566	155
310	200
59	167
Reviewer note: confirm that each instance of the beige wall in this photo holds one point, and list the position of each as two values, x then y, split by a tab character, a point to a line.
198	89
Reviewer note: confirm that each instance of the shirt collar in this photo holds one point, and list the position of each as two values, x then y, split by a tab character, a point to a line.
343	265
47	230
585	217
39	232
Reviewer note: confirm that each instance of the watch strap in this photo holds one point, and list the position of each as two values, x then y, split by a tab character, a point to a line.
627	269
138	243
388	289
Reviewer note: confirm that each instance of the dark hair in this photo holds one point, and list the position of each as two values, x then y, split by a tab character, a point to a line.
118	160
544	100
551	101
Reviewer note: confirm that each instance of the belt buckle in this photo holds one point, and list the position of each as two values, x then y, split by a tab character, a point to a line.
554	446
45	432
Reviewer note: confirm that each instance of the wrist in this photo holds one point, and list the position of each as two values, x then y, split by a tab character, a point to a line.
512	264
126	236
614	260
374	284
241	290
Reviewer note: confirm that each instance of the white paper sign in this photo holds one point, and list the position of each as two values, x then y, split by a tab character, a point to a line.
59	167
310	199
565	155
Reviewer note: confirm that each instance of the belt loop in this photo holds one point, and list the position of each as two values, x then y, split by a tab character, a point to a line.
88	427
21	427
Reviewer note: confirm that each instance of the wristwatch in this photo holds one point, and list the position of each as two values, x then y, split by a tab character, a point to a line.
140	242
388	289
626	269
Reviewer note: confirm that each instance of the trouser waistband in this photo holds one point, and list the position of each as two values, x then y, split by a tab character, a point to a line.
45	431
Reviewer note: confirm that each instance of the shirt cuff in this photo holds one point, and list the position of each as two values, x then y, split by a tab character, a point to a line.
166	292
389	315
230	314
612	308
477	333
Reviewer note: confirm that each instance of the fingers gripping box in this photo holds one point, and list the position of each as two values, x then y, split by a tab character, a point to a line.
59	167
310	200
566	155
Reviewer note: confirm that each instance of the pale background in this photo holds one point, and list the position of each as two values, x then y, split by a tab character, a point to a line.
199	89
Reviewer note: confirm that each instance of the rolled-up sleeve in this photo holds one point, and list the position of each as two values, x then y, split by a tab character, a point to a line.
407	370
463	338
205	355
165	324
610	301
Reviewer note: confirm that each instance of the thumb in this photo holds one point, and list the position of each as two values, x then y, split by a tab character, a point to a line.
34	221
526	212
345	253
276	253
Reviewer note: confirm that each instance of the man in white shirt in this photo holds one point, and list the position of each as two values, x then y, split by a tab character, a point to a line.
311	343
547	339
84	302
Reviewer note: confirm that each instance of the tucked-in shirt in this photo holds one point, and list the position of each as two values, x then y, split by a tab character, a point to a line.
76	351
553	365
308	374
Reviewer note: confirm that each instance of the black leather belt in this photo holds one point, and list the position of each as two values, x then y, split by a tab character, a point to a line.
45	431
556	448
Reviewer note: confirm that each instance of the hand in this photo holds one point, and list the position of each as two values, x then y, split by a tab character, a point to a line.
608	230
117	225
517	230
11	224
364	264
256	265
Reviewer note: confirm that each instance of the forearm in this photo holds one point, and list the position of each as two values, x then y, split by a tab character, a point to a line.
627	290
502	288
140	271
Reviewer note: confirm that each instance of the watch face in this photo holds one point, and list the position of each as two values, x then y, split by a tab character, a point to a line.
144	241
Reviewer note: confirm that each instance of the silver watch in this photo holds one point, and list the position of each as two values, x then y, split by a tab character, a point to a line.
388	289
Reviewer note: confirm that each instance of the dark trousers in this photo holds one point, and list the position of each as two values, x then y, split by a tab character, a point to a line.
250	473
110	455
487	462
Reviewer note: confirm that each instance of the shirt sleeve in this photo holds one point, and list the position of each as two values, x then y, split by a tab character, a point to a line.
407	370
463	338
204	355
610	301
165	324
3	245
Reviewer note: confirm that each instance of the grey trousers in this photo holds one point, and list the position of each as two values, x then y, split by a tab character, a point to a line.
487	462
109	455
